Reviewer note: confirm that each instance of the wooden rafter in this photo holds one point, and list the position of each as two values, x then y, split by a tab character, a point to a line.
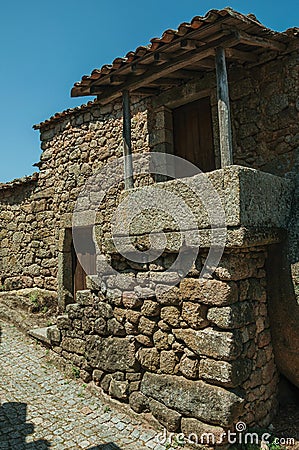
256	41
147	91
161	57
167	81
138	68
134	82
186	74
240	56
147	59
190	44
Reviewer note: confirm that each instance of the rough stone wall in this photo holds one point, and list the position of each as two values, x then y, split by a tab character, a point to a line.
265	105
33	214
198	356
264	102
27	256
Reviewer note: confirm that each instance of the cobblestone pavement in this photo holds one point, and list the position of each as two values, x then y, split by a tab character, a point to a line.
42	409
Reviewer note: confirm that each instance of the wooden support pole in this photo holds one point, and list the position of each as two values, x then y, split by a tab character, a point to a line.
127	144
225	132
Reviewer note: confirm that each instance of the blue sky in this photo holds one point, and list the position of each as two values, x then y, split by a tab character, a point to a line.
47	46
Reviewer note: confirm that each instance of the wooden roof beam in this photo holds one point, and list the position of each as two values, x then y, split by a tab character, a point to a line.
186	74
206	64
147	91
161	57
138	69
232	53
165	69
117	79
189	44
245	38
167	81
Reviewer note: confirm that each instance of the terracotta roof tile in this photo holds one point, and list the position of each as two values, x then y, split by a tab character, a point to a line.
61	115
169	36
143	54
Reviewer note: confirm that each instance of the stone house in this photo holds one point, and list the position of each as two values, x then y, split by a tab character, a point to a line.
198	356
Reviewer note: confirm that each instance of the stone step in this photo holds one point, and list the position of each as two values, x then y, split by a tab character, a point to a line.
43	334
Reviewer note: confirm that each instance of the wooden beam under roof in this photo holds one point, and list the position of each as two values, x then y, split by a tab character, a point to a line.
138	68
257	41
186	73
205	64
240	56
248	39
147	91
117	79
189	44
135	82
170	46
161	57
167	81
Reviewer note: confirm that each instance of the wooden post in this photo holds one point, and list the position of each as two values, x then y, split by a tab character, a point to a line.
225	131
127	145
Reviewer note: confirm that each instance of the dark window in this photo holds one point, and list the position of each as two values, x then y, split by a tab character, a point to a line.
193	134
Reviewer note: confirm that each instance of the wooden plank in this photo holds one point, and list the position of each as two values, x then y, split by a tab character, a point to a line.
127	143
160	57
85	254
186	73
117	79
204	32
189	44
138	69
167	81
167	68
205	64
257	41
193	135
147	91
240	56
225	132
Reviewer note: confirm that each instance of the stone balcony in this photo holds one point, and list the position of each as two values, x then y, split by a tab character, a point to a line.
246	207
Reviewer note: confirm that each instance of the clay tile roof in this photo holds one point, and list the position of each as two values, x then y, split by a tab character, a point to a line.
62	115
233	18
196	36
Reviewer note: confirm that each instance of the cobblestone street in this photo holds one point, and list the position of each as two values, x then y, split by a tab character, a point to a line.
42	409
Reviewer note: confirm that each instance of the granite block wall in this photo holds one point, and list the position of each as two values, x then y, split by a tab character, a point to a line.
197	356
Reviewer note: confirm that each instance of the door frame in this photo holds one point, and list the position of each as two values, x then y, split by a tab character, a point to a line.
160	120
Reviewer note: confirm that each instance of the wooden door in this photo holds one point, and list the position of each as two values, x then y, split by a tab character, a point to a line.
193	134
84	255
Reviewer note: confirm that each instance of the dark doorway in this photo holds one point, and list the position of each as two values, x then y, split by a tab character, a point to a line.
83	257
193	134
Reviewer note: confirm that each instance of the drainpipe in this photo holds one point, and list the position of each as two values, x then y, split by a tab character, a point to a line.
225	131
127	144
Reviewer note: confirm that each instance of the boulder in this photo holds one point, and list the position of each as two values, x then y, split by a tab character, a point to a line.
195	399
110	354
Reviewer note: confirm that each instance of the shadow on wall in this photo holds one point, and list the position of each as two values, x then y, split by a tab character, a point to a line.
14	429
283	290
283	312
